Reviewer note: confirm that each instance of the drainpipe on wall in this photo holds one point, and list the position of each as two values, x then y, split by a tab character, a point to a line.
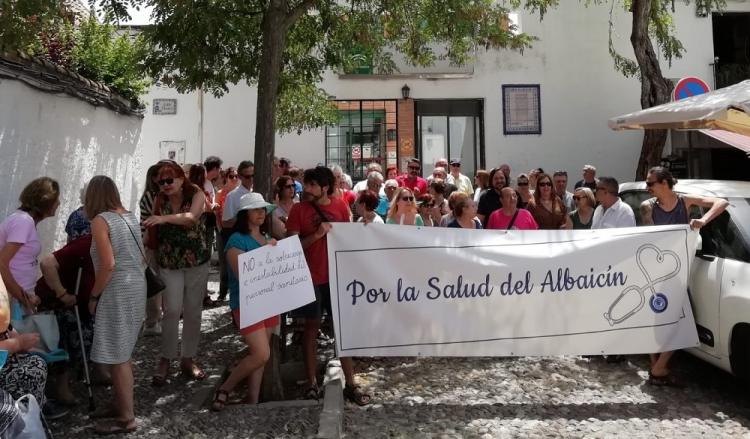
200	123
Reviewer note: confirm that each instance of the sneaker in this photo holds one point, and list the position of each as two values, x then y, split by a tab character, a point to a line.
153	330
52	410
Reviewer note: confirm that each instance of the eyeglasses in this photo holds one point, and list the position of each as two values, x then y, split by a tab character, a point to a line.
247	176
650	183
544	183
407	198
523	183
232	176
165	181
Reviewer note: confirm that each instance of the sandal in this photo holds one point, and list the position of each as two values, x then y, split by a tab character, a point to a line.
355	395
193	372
664	381
115	426
218	403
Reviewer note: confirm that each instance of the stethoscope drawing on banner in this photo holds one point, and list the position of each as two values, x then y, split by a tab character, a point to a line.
658	301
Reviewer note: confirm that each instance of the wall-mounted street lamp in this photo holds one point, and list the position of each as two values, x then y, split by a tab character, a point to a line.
405	91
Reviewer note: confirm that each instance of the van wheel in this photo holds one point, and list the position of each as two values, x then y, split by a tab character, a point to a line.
739	356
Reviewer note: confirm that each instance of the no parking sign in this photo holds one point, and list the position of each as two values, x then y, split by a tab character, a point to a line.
690	86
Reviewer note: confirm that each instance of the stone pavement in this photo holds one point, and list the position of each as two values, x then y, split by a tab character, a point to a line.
443	397
545	397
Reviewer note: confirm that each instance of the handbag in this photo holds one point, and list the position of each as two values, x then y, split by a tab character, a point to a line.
154	283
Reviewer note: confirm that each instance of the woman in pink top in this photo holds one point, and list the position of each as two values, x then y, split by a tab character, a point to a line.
19	240
510	217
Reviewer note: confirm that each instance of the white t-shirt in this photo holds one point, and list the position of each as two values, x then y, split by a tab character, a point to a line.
375	220
618	215
232	203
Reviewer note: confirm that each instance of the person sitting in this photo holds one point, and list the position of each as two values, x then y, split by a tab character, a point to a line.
366	204
464	212
249	235
23	373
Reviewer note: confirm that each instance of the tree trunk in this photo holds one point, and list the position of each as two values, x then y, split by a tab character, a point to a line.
274	39
655	89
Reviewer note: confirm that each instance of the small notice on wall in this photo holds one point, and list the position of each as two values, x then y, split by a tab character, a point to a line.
273	280
165	106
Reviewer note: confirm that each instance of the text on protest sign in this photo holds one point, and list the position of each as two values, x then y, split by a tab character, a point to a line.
402	290
273	280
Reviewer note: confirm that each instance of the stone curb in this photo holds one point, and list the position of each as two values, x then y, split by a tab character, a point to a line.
331	424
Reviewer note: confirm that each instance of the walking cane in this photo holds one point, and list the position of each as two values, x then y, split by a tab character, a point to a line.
92	406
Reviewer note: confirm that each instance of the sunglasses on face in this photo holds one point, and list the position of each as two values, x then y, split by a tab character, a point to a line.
407	198
544	184
165	181
650	183
576	197
232	176
523	183
289	186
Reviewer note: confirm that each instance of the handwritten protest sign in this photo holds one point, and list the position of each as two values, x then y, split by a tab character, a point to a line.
403	290
273	280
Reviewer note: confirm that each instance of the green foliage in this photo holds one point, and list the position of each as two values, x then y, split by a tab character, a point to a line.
101	55
93	50
21	21
209	44
661	29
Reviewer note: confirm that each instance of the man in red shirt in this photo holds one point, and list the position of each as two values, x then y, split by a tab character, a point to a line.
412	180
311	220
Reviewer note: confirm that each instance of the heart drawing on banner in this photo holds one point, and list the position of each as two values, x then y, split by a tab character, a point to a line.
657	266
664	264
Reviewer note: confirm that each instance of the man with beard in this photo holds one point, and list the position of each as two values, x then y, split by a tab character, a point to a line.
311	220
412	180
491	199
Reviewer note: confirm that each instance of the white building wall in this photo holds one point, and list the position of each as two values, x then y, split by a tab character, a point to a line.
580	90
62	137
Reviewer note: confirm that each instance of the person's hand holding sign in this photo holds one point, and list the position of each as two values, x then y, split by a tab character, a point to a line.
323	229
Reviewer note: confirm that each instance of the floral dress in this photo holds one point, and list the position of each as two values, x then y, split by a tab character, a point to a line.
181	246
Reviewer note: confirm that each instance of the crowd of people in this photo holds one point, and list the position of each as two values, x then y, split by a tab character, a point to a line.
97	280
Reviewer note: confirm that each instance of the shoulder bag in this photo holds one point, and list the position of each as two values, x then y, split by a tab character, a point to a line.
154	283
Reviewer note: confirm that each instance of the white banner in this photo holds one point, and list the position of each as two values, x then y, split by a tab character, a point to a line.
409	291
273	280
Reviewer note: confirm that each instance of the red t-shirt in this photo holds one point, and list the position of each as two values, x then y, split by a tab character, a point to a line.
499	221
304	220
76	254
418	185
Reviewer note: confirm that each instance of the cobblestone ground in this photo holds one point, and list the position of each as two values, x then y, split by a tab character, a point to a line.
544	397
444	397
176	410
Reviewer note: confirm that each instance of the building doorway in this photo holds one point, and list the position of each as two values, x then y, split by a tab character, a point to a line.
731	31
452	129
367	132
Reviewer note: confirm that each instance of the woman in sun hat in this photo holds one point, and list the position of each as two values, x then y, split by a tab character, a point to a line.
249	234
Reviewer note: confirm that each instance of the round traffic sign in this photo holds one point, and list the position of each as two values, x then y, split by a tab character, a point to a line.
690	86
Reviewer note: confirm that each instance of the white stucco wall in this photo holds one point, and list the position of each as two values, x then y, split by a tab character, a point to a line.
579	91
69	140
